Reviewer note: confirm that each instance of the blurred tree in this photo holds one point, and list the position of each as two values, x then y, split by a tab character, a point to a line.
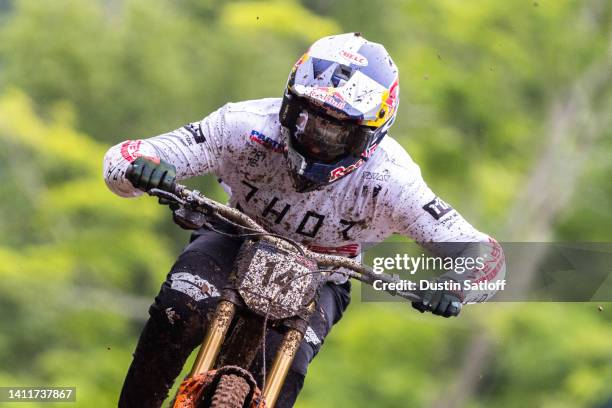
150	66
479	80
73	258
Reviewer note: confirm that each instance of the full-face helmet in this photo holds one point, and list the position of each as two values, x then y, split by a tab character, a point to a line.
341	98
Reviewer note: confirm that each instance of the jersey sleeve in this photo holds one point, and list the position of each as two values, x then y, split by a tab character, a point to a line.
439	228
194	149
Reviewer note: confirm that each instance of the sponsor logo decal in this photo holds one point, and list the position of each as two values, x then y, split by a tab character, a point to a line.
196	132
350	249
393	91
342	171
328	96
266	142
376	176
193	286
438	208
494	262
130	151
311	337
354	58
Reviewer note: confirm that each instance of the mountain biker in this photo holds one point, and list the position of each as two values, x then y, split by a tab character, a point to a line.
315	166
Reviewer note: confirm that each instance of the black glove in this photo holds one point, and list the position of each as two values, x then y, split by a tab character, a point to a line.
147	173
439	302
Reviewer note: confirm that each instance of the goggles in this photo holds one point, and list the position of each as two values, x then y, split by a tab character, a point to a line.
326	139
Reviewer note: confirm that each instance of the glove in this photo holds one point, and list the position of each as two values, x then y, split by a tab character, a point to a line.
439	302
146	173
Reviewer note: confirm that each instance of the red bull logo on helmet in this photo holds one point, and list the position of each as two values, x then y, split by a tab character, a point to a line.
328	96
393	91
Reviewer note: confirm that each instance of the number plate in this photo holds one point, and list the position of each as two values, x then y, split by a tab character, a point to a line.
274	281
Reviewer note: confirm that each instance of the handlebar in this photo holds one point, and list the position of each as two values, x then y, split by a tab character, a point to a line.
197	201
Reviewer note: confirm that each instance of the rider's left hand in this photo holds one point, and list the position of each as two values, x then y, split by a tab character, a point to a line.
439	302
146	173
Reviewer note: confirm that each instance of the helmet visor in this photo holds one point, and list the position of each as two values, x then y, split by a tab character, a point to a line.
326	139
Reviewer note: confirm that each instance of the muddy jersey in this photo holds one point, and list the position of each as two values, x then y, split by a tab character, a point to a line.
241	144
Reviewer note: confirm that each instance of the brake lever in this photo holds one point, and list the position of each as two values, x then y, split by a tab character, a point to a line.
166	195
188	212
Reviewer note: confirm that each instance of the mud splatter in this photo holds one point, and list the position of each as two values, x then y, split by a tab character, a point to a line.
172	315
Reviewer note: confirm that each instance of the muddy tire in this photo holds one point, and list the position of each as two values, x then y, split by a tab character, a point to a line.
231	392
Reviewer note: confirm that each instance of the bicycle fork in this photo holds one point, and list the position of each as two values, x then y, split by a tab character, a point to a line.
215	336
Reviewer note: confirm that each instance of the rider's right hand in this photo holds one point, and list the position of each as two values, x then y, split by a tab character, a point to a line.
146	173
439	302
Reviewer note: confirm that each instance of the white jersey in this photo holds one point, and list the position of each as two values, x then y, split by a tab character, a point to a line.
241	144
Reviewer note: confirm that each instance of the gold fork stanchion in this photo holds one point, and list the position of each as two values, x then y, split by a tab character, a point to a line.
280	367
215	335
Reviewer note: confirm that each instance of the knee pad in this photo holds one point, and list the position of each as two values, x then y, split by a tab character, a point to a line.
176	315
179	314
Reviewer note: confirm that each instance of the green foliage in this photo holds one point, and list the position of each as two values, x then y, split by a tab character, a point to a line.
479	84
69	255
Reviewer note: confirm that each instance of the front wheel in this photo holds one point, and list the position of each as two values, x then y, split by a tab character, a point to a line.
231	392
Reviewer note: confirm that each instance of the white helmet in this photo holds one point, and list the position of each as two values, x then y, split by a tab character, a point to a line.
340	100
